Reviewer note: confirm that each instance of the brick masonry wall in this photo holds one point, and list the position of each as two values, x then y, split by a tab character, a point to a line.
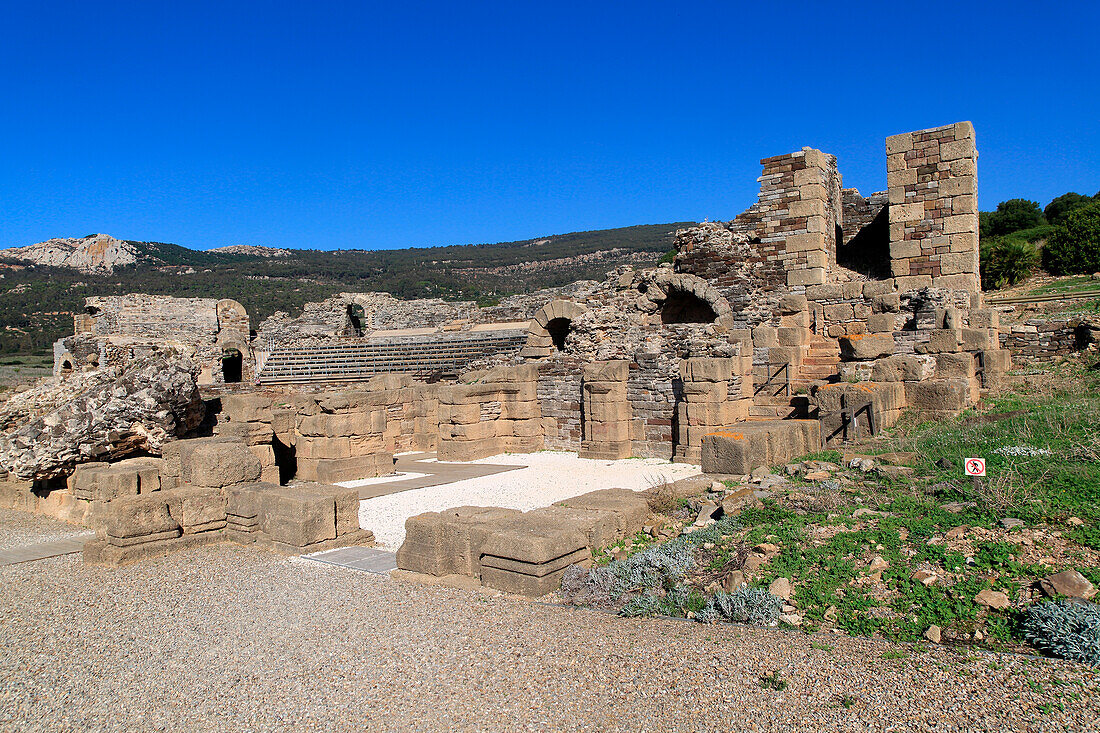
933	213
1038	338
559	391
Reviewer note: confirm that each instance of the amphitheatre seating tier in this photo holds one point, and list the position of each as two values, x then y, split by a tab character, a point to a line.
353	361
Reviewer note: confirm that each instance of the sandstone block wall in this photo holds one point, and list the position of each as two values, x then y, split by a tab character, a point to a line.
933	212
499	413
608	419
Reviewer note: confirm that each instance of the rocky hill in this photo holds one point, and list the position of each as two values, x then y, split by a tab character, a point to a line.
95	253
43	284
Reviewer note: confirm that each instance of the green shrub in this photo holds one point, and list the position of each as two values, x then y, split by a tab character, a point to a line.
1010	216
744	605
1065	629
1057	209
1074	248
1006	262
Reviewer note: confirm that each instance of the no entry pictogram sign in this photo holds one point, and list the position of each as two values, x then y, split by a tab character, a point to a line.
975	466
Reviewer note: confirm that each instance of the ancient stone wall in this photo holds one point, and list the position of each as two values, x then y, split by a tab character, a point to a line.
497	414
933	212
1041	338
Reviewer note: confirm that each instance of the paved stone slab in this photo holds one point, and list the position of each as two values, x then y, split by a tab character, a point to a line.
367	559
430	473
43	550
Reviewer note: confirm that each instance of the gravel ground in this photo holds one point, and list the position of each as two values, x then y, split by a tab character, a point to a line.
22	528
549	476
234	638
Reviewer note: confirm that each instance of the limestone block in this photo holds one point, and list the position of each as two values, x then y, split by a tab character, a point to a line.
954	263
761	443
905	248
904	369
246	408
984	318
966	281
449	542
243	500
906	283
957	149
297	518
941	341
792	303
606	371
863	347
334	470
886	303
978	339
908	212
607	412
525	410
811	276
830	291
345	501
197	509
954	366
882	322
941	396
793	337
139	517
630	509
795	320
839	312
899	143
765	337
702	369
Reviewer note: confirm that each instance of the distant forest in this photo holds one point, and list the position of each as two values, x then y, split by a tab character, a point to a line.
36	303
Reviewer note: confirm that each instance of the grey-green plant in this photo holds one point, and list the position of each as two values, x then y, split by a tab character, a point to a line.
1065	629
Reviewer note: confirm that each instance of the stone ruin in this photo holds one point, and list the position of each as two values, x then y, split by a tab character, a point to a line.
816	316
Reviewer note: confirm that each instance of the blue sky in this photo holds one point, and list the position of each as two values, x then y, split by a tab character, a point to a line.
376	125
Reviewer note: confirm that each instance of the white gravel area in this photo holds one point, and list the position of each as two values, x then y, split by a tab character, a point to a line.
235	638
21	529
549	476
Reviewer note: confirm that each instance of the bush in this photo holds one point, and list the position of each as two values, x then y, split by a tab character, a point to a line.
1074	248
1065	629
1010	216
1057	209
1007	262
744	605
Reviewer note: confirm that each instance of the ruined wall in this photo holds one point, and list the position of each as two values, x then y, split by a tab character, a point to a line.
1041	338
933	192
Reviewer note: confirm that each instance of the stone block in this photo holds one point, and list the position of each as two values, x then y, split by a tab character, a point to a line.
297	518
751	445
246	408
864	347
954	366
335	470
606	371
984	318
886	303
345	501
899	143
906	283
978	339
908	212
793	336
941	341
139	516
197	509
941	396
903	369
765	337
223	464
882	322
812	276
828	291
630	509
704	369
792	303
449	542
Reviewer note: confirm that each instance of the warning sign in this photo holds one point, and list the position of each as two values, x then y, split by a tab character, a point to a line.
975	466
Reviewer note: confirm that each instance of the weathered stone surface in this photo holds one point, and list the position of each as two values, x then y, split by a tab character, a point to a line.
1068	583
223	464
154	400
863	347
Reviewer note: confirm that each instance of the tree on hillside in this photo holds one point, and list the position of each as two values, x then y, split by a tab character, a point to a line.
1074	247
1057	209
1011	216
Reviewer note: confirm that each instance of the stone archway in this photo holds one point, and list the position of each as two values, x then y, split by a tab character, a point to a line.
683	298
550	327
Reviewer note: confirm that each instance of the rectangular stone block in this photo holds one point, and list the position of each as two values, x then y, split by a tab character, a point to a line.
812	276
297	518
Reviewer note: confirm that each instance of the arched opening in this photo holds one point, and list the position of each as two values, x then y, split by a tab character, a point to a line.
355	319
558	328
232	366
685	307
66	367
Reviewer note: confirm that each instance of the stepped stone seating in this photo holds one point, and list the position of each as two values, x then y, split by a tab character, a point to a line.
356	361
520	552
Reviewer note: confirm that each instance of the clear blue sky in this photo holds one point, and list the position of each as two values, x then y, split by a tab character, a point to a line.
375	125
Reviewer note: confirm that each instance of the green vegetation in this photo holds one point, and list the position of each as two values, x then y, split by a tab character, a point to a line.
1011	216
1074	247
37	303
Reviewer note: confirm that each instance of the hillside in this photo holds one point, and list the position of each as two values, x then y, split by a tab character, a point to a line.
42	285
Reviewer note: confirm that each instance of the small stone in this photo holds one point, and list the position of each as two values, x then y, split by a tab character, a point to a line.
1075	521
877	564
648	530
992	599
793	469
708	545
717	486
1067	583
781	588
978	635
766	548
791	618
733	581
925	577
1011	522
933	634
705	512
865	512
817	476
830	613
956	532
755	562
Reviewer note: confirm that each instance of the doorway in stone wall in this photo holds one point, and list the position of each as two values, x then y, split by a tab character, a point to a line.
232	366
682	306
558	328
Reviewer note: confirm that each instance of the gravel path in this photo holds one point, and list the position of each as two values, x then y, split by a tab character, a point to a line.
549	476
233	638
23	528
